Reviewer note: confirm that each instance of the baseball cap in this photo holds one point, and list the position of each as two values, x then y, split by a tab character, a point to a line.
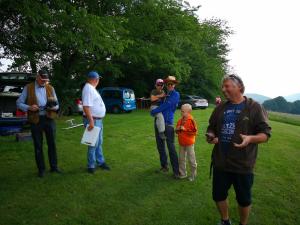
159	81
43	74
94	75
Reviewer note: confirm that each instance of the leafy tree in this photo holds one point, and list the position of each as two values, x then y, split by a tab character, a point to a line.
63	35
132	42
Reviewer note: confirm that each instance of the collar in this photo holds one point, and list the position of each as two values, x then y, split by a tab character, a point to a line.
190	117
246	101
39	86
170	92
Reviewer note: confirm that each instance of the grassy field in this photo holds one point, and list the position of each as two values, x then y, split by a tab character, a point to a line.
285	118
132	193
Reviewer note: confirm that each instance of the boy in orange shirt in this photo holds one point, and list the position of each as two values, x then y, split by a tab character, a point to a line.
187	129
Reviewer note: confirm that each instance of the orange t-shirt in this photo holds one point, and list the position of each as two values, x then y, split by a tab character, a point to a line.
188	136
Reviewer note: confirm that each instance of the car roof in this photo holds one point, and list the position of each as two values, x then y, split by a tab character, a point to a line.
196	96
193	96
115	89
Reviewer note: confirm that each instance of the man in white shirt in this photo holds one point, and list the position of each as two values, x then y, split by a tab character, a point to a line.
93	113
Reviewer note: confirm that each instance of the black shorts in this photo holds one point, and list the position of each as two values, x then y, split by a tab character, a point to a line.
242	184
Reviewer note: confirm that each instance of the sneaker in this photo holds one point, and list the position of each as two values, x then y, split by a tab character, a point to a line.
225	222
176	176
41	174
104	166
91	170
55	170
182	176
162	135
163	170
191	178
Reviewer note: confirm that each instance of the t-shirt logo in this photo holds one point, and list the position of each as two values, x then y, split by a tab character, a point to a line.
231	114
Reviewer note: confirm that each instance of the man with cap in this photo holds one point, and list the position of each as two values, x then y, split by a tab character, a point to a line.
156	96
39	100
168	108
93	113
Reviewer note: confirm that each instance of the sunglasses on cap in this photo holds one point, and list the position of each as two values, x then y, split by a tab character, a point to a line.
234	77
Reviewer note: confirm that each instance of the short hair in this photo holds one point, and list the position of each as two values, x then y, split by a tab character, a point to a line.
236	79
187	106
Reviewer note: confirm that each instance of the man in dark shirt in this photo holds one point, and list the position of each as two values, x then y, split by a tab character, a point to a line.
236	127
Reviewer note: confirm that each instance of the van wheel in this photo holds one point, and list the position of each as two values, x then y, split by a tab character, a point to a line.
116	109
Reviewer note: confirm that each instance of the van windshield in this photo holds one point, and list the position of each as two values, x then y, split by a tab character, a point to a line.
129	94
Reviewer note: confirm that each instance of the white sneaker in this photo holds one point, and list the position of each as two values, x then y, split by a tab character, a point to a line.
191	178
182	176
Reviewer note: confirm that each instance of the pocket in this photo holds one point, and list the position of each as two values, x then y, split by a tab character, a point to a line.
218	157
242	159
237	153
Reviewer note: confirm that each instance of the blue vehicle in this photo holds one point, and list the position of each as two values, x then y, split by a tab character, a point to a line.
118	99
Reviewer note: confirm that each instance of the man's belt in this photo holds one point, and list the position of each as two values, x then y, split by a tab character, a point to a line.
94	117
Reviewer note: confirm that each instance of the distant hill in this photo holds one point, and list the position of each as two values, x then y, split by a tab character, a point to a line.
280	104
292	98
257	97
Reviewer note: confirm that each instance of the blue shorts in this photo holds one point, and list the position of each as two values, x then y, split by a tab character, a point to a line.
242	184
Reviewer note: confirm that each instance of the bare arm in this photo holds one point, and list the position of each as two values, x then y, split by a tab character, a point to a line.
156	97
89	116
252	139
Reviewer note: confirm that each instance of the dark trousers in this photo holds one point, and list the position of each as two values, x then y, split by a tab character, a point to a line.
48	126
170	135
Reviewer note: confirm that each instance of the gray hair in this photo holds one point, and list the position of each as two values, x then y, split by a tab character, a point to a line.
236	79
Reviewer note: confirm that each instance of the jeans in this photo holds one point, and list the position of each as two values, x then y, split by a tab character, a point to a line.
95	154
170	138
48	126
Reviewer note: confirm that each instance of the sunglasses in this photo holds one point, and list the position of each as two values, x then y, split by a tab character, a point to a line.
234	77
170	84
160	85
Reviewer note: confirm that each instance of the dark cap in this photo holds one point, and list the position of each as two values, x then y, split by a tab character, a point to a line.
43	74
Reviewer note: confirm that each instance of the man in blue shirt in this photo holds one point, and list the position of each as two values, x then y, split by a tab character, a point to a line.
39	100
168	108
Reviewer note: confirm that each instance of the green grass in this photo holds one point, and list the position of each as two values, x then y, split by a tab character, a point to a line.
285	118
132	193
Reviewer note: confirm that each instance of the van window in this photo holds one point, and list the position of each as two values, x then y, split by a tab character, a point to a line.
111	94
11	90
129	94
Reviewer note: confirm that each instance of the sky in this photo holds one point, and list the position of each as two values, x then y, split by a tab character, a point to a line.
265	46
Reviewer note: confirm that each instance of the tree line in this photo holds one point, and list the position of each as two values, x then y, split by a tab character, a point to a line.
280	104
131	42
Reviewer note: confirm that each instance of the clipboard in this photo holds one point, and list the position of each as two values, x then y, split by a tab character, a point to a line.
90	137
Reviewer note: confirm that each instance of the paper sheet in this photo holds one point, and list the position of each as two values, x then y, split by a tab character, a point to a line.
90	137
